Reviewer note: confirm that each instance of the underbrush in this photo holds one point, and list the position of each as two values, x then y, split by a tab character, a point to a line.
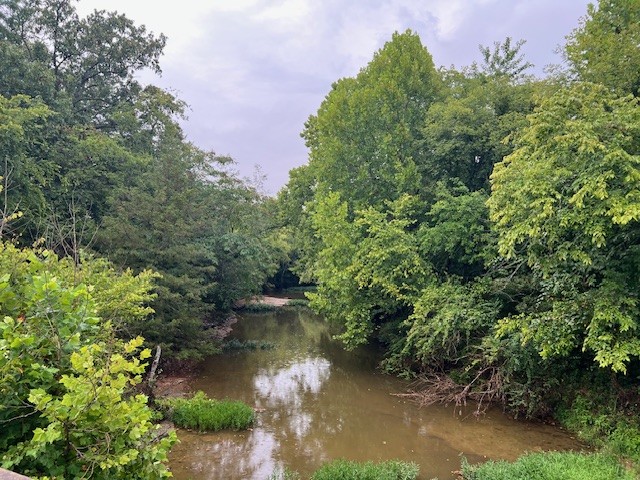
550	466
605	424
206	414
297	302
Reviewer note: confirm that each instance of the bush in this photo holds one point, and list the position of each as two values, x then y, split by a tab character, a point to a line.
550	466
206	414
346	470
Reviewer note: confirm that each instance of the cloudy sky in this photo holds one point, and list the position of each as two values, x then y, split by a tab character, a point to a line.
252	71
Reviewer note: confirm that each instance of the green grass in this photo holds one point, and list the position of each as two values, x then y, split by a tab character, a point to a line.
238	345
260	307
346	470
551	466
206	414
603	425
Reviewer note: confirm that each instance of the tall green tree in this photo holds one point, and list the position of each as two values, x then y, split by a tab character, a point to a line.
92	60
604	48
363	140
566	201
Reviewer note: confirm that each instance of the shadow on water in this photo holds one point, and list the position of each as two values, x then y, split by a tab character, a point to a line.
317	403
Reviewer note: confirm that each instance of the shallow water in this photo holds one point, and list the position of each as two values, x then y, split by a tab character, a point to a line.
317	403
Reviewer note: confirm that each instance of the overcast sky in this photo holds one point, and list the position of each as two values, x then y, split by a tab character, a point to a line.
253	71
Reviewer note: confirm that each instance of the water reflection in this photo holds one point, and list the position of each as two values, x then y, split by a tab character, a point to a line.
318	402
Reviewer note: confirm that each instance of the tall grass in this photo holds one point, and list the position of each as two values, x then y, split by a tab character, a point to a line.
346	470
550	466
206	414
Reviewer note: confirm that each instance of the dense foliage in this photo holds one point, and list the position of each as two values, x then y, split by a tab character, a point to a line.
94	165
346	470
480	223
66	380
93	160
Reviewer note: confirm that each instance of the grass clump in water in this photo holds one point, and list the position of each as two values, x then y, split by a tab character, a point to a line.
207	414
346	470
238	345
298	302
550	466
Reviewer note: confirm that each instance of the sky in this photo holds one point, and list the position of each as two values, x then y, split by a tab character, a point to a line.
252	71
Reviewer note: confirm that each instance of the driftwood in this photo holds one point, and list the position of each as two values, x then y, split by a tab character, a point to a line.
436	387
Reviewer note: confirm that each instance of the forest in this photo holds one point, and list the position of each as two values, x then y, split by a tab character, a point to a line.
480	225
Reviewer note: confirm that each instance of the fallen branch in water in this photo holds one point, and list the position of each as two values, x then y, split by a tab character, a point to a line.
437	387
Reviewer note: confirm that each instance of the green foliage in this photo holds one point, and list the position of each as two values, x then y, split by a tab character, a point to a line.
550	466
447	320
602	423
363	139
206	414
504	60
65	381
346	470
23	133
568	198
604	48
91	76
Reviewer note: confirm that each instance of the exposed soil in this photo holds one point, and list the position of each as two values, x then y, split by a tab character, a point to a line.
172	386
264	300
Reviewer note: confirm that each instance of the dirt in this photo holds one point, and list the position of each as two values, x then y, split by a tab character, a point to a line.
264	300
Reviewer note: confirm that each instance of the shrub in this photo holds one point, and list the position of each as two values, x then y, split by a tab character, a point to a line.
206	414
550	466
346	470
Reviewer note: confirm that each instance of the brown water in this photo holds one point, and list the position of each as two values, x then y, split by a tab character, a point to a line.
318	403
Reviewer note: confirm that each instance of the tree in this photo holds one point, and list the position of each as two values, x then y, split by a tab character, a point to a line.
26	171
503	61
566	201
66	382
363	140
93	60
604	48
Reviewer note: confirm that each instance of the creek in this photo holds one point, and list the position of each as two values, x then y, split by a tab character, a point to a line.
317	402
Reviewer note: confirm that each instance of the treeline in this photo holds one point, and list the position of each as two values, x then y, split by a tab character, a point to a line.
93	162
113	227
480	223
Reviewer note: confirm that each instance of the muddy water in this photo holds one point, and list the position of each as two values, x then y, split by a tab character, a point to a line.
317	403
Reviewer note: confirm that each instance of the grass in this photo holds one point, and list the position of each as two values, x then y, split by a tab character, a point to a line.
550	466
298	302
237	345
260	307
346	470
206	414
603	425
